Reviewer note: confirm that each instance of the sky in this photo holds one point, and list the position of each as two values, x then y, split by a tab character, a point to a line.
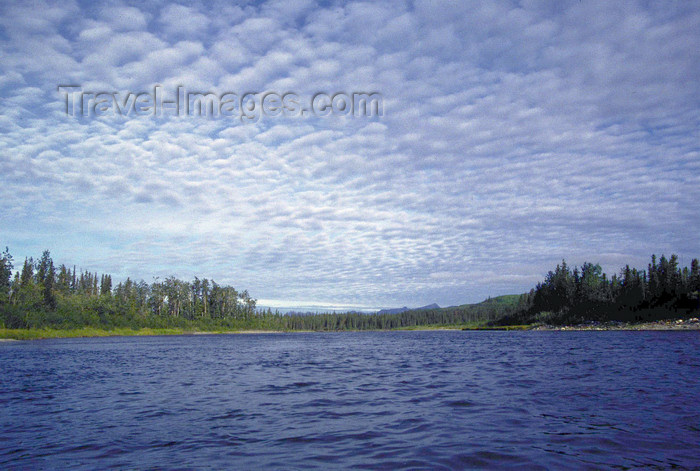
512	135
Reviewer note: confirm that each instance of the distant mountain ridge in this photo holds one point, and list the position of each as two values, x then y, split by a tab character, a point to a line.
399	310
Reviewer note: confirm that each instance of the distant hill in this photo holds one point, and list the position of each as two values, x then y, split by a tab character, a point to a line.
399	310
429	306
396	310
505	300
487	309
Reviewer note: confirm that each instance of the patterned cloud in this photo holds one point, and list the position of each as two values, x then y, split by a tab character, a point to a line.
514	134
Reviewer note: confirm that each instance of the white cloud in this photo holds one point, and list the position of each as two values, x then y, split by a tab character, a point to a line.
124	18
182	21
512	137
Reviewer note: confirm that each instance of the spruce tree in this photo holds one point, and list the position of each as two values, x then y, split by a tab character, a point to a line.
5	275
49	279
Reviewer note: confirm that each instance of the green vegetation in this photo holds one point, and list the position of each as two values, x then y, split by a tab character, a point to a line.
457	317
663	291
42	301
48	333
41	296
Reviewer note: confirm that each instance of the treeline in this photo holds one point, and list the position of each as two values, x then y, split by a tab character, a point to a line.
490	309
664	290
43	295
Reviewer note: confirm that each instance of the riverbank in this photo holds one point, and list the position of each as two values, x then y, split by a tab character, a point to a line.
47	333
36	334
671	324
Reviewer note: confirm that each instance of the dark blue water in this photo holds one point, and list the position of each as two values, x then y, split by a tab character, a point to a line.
380	400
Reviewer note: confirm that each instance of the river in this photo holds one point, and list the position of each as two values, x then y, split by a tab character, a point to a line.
356	400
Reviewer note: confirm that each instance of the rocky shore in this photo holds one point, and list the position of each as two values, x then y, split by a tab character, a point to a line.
671	324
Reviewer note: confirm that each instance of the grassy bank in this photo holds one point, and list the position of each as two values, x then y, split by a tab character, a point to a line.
48	333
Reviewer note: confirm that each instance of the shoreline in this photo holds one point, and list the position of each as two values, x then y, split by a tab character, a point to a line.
670	324
11	335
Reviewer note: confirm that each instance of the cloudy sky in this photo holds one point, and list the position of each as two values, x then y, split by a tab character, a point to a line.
514	134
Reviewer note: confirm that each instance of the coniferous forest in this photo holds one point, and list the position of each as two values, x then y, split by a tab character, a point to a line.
42	295
38	294
663	291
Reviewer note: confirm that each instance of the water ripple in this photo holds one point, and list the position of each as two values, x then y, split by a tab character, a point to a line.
419	400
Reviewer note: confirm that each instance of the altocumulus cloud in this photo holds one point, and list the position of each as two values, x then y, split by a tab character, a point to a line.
514	134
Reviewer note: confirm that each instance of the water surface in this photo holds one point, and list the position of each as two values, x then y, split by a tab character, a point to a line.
376	400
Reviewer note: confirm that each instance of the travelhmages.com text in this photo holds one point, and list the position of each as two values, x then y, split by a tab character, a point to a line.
248	107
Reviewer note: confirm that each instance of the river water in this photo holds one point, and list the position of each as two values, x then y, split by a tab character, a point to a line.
374	400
